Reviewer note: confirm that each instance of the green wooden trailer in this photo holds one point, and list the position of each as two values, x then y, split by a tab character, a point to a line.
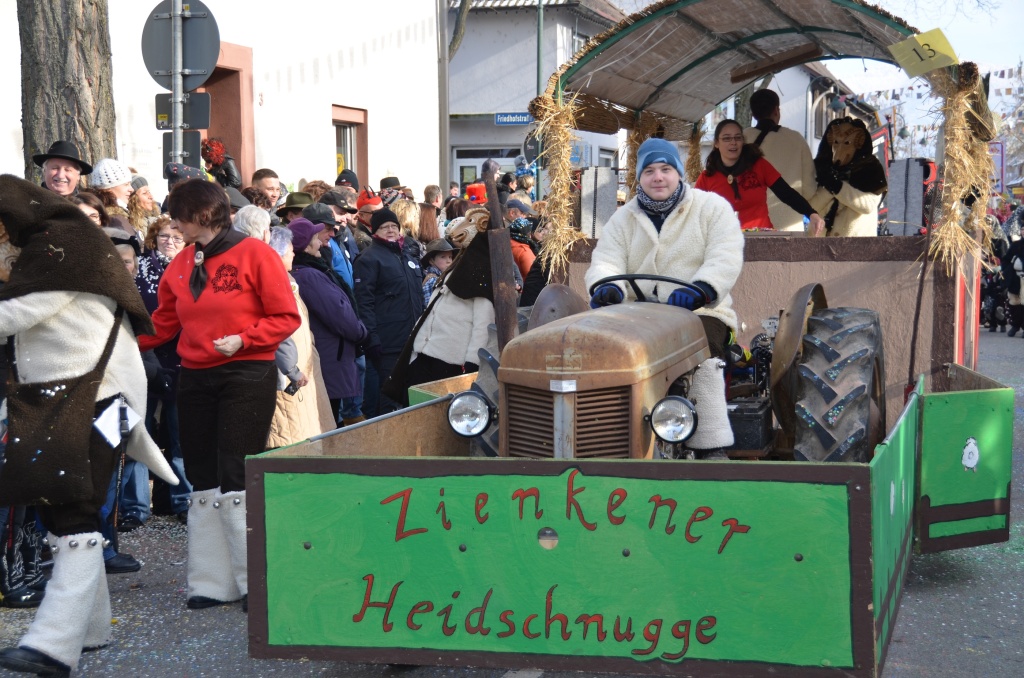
390	542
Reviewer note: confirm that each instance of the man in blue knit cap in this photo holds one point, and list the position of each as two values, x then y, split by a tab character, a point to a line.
674	230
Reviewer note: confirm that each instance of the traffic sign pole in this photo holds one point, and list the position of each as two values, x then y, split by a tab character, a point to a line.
177	86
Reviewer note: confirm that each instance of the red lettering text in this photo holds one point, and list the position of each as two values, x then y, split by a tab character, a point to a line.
700	513
526	627
652	632
444	613
421	607
706	624
445	523
628	634
387	626
658	503
680	630
587	620
479	627
522	494
506	618
400	531
570	502
559	617
734	526
615	500
481	502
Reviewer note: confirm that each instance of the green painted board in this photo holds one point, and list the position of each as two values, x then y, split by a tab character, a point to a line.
892	508
745	570
966	450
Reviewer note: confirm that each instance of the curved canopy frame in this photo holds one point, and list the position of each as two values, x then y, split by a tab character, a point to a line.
677	59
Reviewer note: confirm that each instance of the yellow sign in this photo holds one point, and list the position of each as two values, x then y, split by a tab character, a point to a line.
925	52
1017	191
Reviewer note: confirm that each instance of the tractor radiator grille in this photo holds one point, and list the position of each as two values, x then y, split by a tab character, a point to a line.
602	423
531	422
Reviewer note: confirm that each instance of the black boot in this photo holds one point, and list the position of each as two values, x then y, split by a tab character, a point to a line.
1016	320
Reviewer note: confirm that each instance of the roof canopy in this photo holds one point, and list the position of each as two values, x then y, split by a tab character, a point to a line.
676	59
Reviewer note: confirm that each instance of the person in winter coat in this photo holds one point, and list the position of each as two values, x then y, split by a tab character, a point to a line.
851	180
674	230
304	413
455	328
336	328
1013	268
70	301
787	151
389	296
161	245
228	300
220	164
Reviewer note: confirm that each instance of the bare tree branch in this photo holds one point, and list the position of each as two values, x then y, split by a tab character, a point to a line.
460	28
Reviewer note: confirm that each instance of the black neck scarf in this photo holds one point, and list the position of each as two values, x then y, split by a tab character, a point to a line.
224	240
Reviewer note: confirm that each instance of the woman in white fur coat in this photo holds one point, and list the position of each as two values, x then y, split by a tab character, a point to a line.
674	230
60	306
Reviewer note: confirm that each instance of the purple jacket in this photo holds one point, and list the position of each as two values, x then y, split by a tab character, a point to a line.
336	330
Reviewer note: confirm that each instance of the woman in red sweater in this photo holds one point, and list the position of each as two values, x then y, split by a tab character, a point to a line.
230	299
739	173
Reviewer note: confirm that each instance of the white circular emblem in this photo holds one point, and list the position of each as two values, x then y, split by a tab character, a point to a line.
412	264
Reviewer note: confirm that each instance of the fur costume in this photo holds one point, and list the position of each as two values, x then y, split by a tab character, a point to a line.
846	162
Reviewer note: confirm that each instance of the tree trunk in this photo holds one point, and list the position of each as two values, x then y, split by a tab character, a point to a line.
460	28
66	88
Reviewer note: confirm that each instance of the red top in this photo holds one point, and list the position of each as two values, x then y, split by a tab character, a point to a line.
752	205
247	293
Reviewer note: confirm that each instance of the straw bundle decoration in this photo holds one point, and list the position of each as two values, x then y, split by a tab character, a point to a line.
556	121
967	167
693	167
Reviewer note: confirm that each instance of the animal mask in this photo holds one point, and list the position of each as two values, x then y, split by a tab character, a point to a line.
846	140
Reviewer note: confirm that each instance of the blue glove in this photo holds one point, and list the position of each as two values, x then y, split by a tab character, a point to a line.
606	295
692	299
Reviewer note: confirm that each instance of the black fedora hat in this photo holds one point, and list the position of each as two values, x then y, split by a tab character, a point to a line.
63	149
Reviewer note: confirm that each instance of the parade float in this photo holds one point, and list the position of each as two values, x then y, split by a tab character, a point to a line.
538	516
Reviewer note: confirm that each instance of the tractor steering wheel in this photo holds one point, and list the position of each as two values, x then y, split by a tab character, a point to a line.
631	278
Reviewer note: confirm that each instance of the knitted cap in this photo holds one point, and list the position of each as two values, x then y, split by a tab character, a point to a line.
108	173
658	150
368	198
138	181
347	178
381	217
303	231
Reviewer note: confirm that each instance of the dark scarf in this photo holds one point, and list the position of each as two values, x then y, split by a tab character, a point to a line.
320	264
658	210
63	251
768	126
469	276
225	239
748	156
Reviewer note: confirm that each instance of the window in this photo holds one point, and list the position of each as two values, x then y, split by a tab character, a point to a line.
607	157
578	41
345	145
350	139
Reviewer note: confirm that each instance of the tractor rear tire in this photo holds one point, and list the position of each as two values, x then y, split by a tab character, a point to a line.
840	408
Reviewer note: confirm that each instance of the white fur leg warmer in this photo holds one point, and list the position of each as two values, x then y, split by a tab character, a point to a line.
232	515
62	621
98	632
707	392
209	560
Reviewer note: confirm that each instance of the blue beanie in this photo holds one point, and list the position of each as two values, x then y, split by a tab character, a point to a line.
658	150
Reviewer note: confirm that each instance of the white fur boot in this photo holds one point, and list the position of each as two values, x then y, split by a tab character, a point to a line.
98	633
707	392
62	622
210	579
232	515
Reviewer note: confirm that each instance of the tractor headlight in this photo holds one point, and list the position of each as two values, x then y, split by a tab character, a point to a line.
673	419
469	414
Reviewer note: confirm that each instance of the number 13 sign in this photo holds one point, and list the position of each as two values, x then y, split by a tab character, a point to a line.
921	53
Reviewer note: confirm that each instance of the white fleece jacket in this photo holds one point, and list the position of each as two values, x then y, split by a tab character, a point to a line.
700	240
59	335
455	330
858	211
789	153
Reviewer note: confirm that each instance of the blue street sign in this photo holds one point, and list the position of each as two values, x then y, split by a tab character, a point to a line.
512	118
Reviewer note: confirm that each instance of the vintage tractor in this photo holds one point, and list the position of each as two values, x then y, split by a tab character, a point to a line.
615	383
